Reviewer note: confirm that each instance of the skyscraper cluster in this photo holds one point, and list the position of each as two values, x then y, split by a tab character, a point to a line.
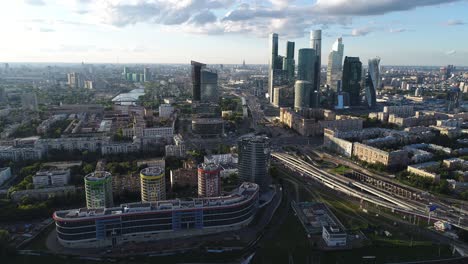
281	69
344	78
307	82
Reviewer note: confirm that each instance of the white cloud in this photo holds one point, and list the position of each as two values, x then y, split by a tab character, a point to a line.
358	32
397	30
372	7
455	22
286	17
35	2
451	52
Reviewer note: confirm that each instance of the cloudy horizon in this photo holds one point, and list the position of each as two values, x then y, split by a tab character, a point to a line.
416	32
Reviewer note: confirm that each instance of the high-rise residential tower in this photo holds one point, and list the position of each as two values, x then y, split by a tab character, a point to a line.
254	159
196	80
98	189
209	180
146	74
335	64
351	80
316	44
273	41
75	80
372	81
152	184
208	86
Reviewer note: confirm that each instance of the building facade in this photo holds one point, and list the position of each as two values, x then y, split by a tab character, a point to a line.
196	80
142	222
372	82
335	64
254	159
153	184
51	178
98	188
316	44
351	80
209	180
209	86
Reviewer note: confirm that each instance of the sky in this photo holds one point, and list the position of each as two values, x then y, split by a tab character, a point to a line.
400	32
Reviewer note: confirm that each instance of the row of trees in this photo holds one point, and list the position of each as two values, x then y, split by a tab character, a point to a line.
441	187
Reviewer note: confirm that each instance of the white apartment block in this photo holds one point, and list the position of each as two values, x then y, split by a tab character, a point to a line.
51	178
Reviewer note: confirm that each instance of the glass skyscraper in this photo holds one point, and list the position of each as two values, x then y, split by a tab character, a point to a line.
351	81
316	44
273	41
302	91
306	71
209	86
335	63
196	80
372	81
254	159
288	62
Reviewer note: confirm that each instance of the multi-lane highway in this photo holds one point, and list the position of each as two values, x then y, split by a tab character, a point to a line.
366	192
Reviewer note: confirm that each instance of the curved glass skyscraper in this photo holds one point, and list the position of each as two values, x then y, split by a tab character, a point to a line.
372	81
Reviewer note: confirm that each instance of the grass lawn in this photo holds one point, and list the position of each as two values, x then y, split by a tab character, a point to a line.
340	169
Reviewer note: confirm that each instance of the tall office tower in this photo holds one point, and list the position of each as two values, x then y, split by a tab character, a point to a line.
316	44
372	81
335	63
288	62
307	63
146	74
302	91
208	86
254	159
273	41
98	188
152	184
209	180
196	80
351	80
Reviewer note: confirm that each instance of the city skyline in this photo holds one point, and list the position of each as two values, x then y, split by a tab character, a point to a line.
158	31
